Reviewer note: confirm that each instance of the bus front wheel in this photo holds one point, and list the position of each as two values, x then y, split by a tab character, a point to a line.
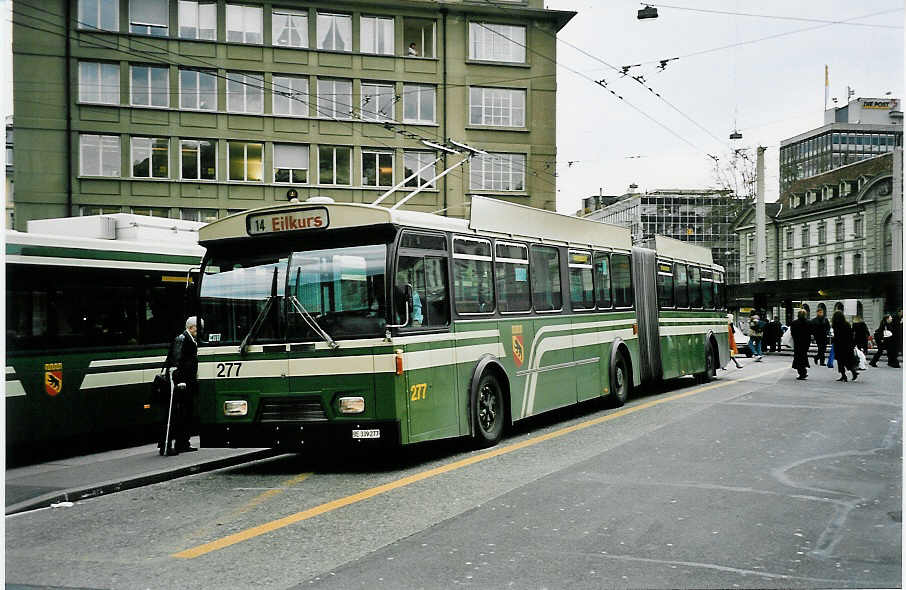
488	411
620	380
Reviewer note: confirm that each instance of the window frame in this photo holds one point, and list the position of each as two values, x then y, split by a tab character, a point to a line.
318	31
335	101
83	23
424	254
377	153
685	287
483	172
483	107
535	274
150	26
377	33
613	291
214	143
274	164
513	261
665	272
245	159
196	5
151	92
489	259
246	87
246	21
367	114
150	148
117	141
695	294
418	179
334	149
99	89
289	14
485	27
291	96
597	255
570	265
414	92
197	91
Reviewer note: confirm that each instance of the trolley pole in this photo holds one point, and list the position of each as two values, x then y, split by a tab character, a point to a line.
761	246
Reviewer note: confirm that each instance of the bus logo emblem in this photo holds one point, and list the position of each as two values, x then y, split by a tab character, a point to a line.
53	378
518	350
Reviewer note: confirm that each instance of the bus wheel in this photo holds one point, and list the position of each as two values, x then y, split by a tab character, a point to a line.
488	411
620	380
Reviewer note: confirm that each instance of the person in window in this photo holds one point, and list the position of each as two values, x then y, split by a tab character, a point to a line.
413	52
417	316
182	369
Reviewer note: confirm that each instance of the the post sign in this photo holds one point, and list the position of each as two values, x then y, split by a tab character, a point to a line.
879	104
287	221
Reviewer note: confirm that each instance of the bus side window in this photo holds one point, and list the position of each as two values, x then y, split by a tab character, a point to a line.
621	279
581	280
680	285
665	285
437	299
546	287
602	281
695	287
511	266
473	277
411	270
708	289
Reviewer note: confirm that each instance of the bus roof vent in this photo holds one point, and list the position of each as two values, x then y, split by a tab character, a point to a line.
320	199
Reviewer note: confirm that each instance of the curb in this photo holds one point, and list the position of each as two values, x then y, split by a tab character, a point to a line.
144	479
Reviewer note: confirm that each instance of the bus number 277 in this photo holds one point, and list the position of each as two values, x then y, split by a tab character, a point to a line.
226	369
418	391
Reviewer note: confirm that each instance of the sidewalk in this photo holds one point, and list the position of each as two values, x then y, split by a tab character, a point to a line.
78	478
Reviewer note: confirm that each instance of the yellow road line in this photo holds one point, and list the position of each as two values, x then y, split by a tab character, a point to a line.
271	493
416	477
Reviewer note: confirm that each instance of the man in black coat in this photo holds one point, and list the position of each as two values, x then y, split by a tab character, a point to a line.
182	368
820	330
896	341
802	337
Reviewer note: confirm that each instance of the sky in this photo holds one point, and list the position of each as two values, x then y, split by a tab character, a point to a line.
769	90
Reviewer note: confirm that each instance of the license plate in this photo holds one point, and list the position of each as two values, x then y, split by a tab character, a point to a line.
366	433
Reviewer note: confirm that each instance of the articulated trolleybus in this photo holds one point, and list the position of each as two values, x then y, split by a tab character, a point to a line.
329	323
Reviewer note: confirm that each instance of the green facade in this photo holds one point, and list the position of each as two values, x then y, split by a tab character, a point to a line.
51	117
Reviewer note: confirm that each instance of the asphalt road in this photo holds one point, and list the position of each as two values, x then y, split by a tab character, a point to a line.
754	480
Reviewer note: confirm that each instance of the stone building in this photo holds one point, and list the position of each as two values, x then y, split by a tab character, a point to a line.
195	109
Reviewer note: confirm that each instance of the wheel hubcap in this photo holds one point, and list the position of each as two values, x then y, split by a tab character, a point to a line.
619	379
487	408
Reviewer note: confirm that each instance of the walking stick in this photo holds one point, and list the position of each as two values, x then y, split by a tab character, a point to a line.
166	447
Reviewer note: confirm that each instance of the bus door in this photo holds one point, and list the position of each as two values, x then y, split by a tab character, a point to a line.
432	398
587	348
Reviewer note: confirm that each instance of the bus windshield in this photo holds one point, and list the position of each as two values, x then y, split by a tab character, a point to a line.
339	289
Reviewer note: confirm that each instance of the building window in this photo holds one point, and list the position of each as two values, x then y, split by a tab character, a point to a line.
502	107
102	15
376	35
857	264
85	210
789	271
888	245
99	155
334	98
838	265
377	168
199	159
789	239
822	267
803	271
151	211
197	90
750	245
377	101
494	42
839	230
245	161
197	20
751	274
498	172
150	86
150	157
335	32
290	96
857	226
203	215
822	233
289	29
418	35
418	103
99	82
245	93
290	163
415	161
149	17
805	236
334	163
244	24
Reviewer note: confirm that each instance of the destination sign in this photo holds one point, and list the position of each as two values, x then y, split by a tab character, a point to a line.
287	221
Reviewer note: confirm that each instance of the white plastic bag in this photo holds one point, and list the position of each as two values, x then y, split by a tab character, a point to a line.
861	356
787	339
887	333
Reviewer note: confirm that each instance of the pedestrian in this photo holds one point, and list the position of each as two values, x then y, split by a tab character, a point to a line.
802	338
843	347
860	334
883	339
820	330
896	341
777	331
731	336
182	368
756	333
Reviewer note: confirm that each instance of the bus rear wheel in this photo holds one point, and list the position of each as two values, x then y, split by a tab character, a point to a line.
488	411
710	365
620	381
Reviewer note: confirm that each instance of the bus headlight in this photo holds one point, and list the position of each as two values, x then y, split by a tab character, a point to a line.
351	405
235	408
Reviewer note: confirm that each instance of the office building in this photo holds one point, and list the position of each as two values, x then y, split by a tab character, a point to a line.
195	109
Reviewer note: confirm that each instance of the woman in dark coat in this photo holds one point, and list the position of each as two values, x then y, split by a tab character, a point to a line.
802	337
843	346
860	334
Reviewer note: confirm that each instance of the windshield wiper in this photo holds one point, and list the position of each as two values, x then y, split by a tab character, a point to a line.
309	320
256	325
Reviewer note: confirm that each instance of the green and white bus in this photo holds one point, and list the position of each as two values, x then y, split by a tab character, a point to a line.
329	323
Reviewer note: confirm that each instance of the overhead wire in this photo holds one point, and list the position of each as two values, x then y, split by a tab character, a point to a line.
772	16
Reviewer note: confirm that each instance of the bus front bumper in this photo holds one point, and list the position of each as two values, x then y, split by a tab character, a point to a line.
302	436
